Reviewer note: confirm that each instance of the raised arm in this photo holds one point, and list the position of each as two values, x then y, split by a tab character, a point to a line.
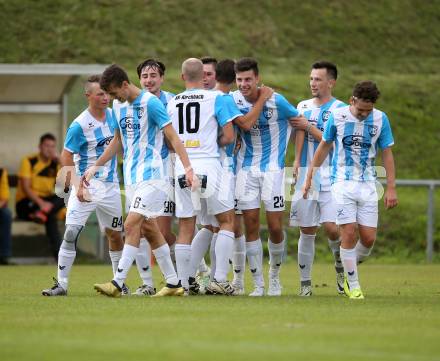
247	121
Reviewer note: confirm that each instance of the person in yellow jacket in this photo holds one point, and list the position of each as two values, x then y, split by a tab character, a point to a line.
36	199
5	219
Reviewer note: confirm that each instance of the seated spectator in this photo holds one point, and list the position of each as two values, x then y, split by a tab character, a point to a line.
5	219
35	199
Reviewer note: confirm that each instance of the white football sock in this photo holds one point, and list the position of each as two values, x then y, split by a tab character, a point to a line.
173	254
334	247
143	262
163	258
115	256
276	251
348	258
65	261
127	258
223	253
212	255
362	252
203	267
239	259
306	254
183	258
254	252
199	247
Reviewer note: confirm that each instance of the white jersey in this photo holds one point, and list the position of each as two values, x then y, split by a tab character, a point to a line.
317	116
87	138
139	124
356	143
264	146
197	115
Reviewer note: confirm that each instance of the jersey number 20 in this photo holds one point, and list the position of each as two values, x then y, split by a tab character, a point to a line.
186	121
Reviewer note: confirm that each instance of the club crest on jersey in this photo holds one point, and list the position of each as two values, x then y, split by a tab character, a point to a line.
325	115
372	130
140	112
267	112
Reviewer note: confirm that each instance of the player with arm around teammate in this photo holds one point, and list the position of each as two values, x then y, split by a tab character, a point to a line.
308	214
138	117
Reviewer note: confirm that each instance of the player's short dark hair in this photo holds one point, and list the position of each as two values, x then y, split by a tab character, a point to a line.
225	71
367	91
209	60
113	75
47	136
151	63
331	68
245	64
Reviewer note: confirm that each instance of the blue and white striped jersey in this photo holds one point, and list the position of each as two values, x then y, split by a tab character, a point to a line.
228	158
197	115
165	97
265	145
139	124
87	139
317	116
356	143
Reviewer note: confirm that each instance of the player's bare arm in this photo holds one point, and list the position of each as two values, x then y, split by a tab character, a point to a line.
66	160
247	121
228	135
174	140
319	157
301	123
390	197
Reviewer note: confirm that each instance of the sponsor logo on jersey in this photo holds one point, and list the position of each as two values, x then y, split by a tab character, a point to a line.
140	112
372	130
267	112
356	142
325	115
105	141
127	123
189	97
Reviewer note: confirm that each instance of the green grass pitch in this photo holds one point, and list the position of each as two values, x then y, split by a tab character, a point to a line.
398	320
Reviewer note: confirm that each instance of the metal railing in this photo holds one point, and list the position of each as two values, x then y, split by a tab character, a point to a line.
431	184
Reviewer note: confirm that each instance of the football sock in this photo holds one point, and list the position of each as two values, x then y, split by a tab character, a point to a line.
212	255
65	261
223	252
143	262
254	253
348	257
239	259
276	251
183	258
334	247
163	258
306	254
199	247
115	256
362	252
127	258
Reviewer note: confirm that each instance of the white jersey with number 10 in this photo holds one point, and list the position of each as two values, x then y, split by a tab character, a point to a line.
197	115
